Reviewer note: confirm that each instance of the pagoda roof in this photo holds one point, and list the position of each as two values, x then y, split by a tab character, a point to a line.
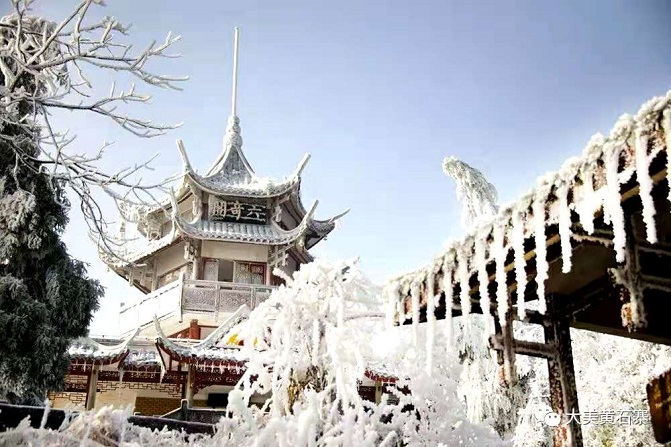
232	175
317	229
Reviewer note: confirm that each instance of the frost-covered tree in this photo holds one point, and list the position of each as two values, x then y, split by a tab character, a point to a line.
308	345
46	298
486	396
477	196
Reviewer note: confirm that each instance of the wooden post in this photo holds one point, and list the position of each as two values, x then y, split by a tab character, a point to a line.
194	330
563	393
506	356
190	382
92	388
378	392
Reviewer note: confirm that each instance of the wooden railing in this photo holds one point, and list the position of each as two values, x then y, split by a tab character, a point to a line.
221	297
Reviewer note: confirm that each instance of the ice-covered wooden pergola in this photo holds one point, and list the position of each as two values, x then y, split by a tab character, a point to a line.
589	247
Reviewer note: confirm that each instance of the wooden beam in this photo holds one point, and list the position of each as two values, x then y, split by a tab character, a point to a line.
524	347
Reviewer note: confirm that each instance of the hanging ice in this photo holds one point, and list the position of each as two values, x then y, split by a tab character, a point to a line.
645	184
464	286
449	296
542	267
414	295
589	202
430	321
500	254
483	280
612	202
564	227
520	262
393	298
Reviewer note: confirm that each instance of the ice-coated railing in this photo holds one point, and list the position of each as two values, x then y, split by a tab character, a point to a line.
188	295
161	302
222	297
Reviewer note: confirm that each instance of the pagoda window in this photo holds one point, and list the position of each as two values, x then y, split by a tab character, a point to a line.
224	270
250	273
210	269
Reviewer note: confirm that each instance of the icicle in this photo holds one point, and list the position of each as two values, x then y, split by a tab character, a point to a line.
483	280
500	253
589	202
430	320
645	184
612	204
565	227
666	126
542	266
520	262
414	294
586	207
449	296
315	341
393	297
400	308
464	286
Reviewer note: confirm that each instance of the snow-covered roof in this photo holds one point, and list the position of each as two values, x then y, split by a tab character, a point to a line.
379	372
87	349
142	357
208	349
586	185
232	175
137	250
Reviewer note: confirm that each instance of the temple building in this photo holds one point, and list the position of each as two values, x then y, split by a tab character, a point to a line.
204	258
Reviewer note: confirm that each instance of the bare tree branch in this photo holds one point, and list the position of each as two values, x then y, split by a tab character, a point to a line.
45	66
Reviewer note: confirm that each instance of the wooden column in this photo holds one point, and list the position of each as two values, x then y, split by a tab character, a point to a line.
506	353
563	393
194	330
92	387
190	385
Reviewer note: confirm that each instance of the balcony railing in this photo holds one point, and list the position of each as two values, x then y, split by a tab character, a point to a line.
221	297
188	295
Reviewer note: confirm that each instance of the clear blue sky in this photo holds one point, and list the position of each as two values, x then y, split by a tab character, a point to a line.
379	93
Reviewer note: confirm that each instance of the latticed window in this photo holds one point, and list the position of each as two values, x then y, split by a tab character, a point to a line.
250	273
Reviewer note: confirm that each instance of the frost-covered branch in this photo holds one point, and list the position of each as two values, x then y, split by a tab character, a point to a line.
477	196
47	66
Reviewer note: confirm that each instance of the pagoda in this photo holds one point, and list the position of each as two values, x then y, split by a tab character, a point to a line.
212	245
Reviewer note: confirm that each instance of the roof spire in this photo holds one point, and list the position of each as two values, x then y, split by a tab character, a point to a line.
232	164
234	95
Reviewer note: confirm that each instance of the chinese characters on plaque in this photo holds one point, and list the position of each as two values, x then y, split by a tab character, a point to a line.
235	211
